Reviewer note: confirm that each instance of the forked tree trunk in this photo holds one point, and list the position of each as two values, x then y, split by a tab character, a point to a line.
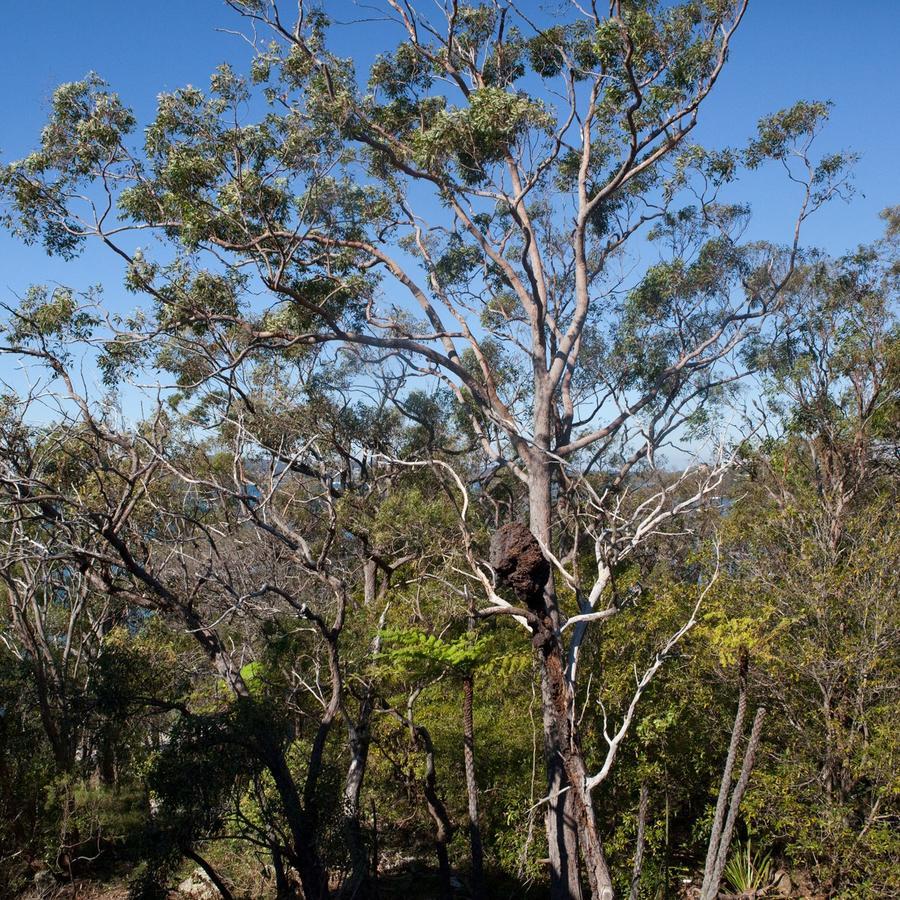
304	854
722	826
724	790
715	876
313	876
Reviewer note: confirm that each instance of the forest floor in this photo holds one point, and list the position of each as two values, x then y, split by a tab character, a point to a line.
417	885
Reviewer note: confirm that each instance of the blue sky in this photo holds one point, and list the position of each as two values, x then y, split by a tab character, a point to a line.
785	50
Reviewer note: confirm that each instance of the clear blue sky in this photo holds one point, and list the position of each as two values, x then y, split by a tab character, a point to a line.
787	49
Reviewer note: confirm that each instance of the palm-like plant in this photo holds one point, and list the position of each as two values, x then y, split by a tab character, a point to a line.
748	873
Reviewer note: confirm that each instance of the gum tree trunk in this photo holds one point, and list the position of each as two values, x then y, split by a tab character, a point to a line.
562	837
571	823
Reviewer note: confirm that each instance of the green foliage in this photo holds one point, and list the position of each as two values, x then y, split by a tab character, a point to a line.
478	134
50	317
780	133
409	650
85	132
412	653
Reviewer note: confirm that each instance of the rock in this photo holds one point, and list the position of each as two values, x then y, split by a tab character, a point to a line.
198	886
782	886
44	883
519	562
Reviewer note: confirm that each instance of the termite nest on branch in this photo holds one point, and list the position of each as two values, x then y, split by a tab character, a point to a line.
520	564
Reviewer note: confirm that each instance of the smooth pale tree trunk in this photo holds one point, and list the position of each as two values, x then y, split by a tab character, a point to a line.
562	835
718	822
358	743
713	879
571	822
370	585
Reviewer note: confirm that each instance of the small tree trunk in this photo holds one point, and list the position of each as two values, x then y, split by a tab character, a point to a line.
359	739
472	788
355	885
374	850
106	756
639	845
283	889
370	571
443	828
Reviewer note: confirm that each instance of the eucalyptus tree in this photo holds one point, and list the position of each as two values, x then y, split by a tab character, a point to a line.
831	383
812	546
473	211
90	511
249	528
55	614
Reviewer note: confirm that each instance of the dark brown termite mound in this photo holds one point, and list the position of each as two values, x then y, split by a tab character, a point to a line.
519	562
